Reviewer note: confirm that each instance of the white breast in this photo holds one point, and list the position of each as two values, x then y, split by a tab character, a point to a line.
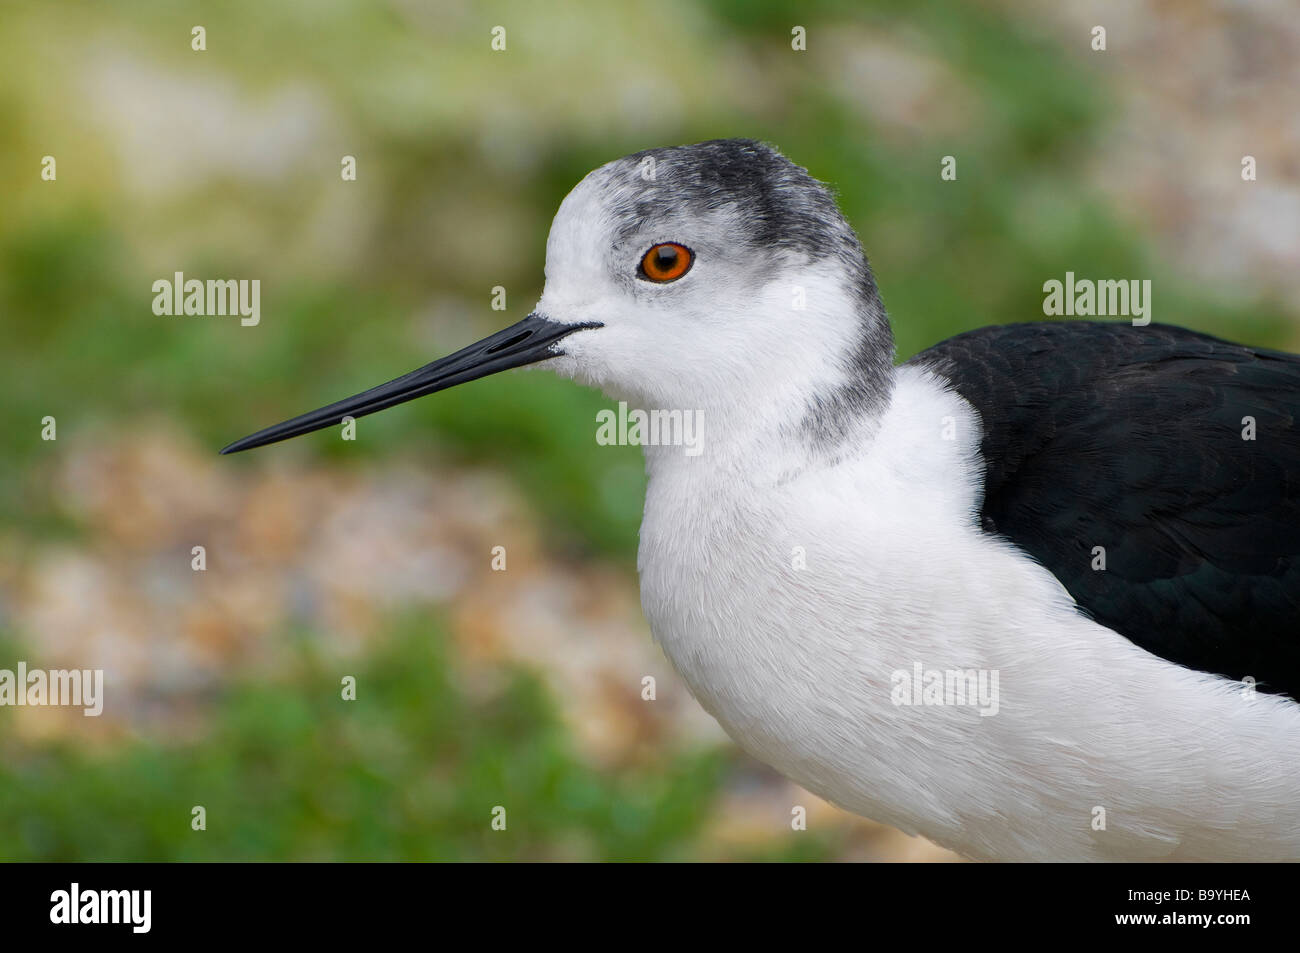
1097	749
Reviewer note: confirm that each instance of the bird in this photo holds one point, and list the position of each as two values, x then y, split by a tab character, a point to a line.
1095	525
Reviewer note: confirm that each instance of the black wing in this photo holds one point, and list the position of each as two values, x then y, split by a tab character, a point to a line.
1132	439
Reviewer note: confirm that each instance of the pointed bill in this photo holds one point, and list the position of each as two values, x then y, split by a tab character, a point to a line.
531	340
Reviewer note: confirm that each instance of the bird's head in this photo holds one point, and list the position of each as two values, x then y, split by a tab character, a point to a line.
718	275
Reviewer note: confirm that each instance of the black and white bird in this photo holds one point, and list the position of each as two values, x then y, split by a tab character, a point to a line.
1030	594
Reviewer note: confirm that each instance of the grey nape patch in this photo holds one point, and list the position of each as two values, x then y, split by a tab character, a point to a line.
780	206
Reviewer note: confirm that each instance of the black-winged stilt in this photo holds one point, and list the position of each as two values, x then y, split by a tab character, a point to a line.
1016	594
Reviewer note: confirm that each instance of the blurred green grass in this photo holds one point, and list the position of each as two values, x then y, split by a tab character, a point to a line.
410	771
288	771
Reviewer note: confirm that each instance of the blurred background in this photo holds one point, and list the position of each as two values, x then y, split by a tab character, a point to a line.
372	558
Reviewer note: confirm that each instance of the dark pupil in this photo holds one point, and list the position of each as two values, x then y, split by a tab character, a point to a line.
665	259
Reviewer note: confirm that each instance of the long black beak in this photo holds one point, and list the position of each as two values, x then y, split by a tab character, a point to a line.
529	341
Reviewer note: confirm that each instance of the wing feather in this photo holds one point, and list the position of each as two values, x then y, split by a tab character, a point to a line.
1138	440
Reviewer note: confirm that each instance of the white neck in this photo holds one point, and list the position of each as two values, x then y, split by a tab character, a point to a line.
788	605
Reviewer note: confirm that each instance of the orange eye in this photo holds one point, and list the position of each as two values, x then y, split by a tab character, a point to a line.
666	262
